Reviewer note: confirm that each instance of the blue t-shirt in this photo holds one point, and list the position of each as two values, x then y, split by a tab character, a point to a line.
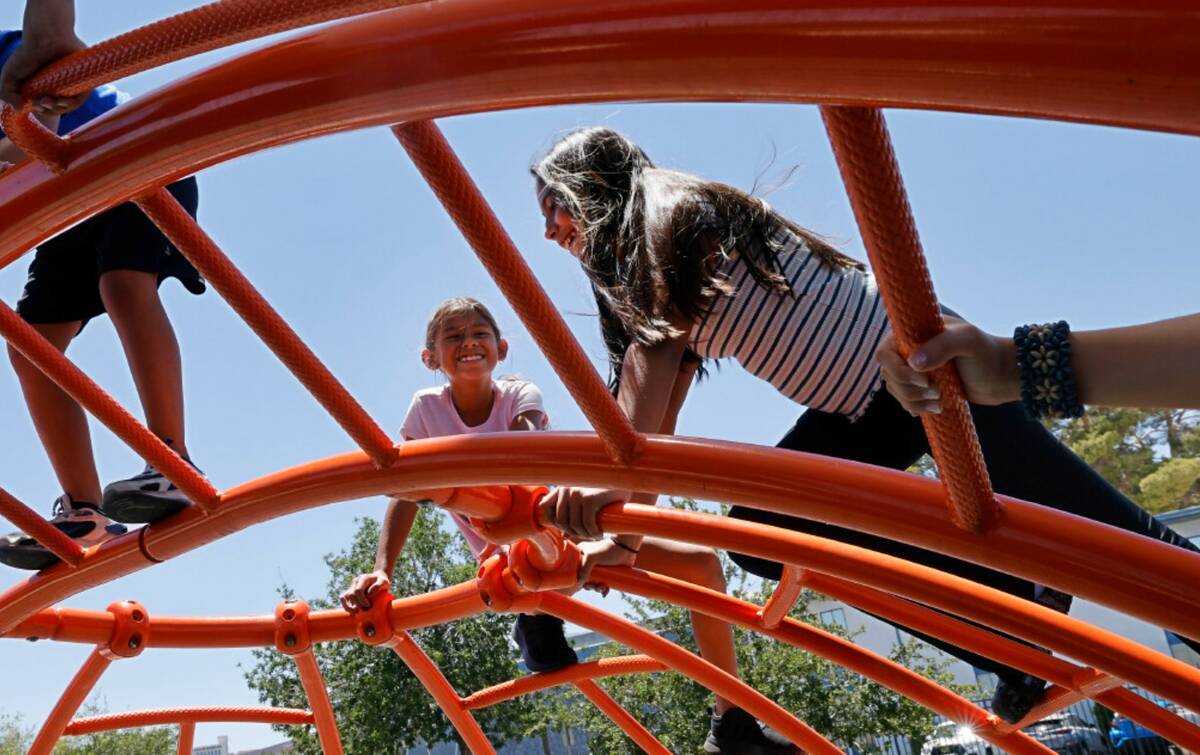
101	100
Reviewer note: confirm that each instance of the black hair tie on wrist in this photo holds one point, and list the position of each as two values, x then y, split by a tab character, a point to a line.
1047	381
619	544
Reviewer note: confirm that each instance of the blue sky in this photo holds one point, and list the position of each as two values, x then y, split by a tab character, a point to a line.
1021	221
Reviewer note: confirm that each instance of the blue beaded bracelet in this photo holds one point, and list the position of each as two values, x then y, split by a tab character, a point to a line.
1047	380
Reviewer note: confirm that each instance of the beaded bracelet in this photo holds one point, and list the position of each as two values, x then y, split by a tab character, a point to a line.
1047	380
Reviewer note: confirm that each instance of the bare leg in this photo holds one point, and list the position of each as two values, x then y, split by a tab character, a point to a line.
131	298
700	566
60	422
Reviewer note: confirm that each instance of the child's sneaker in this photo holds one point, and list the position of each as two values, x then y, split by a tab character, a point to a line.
145	498
543	643
80	521
1013	699
736	732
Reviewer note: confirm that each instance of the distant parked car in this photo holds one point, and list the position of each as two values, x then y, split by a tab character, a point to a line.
1068	734
1128	737
949	738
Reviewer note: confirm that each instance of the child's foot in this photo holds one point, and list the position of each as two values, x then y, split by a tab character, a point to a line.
543	643
736	732
145	498
1013	699
80	521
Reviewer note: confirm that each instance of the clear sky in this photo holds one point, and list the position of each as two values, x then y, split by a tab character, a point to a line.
1021	221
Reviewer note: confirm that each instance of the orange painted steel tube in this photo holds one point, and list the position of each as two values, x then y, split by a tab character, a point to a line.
27	520
415	612
209	27
783	598
523	685
1105	650
318	700
436	161
1153	583
440	690
161	716
872	177
690	665
633	729
183	231
72	697
841	651
42	354
187	738
440	59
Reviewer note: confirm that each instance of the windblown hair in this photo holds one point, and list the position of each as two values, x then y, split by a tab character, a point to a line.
459	305
641	275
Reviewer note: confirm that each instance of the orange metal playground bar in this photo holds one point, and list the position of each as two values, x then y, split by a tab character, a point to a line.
615	40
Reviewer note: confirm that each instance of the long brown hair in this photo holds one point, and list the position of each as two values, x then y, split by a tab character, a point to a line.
640	274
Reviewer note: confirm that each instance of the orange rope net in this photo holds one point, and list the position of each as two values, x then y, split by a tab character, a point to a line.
405	73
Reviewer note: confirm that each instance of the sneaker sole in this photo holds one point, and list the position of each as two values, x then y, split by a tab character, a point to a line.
28	558
140	508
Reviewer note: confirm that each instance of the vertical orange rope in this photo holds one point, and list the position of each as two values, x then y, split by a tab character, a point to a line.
92	397
318	700
448	178
443	694
202	251
864	154
187	737
27	520
640	735
72	697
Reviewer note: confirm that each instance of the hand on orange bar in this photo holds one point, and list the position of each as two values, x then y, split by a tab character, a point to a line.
49	34
602	552
357	596
987	365
574	510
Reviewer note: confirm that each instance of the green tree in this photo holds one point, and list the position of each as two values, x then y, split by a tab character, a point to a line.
380	706
15	736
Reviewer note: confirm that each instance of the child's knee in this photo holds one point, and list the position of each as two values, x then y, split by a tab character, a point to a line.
705	570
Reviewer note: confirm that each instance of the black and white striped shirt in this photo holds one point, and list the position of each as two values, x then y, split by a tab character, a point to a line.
817	347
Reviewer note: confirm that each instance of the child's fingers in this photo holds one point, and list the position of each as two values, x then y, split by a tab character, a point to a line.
958	340
895	370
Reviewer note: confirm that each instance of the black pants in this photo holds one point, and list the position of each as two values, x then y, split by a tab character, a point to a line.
1024	460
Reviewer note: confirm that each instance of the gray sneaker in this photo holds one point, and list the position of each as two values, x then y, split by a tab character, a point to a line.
145	498
78	520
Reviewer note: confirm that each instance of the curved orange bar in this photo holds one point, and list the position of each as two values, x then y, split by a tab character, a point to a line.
1153	583
621	717
783	598
161	716
523	685
439	689
402	66
838	650
863	149
690	665
436	161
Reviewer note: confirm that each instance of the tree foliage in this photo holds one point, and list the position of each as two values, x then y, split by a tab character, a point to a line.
380	706
16	737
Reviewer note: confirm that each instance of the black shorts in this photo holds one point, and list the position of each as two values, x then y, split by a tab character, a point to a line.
64	277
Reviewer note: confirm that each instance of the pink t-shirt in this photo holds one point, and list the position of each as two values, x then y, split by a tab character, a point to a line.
432	414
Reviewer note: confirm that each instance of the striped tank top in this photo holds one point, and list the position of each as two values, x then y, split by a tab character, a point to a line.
816	347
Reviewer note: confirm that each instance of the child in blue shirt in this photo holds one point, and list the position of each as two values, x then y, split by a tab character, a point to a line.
114	263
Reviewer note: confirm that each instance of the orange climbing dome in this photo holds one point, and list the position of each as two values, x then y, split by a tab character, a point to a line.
918	55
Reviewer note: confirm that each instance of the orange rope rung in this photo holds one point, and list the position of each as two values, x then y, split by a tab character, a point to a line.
209	27
469	210
640	735
523	685
183	231
872	177
210	714
27	520
42	354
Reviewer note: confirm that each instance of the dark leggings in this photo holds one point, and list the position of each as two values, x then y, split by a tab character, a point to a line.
1024	460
